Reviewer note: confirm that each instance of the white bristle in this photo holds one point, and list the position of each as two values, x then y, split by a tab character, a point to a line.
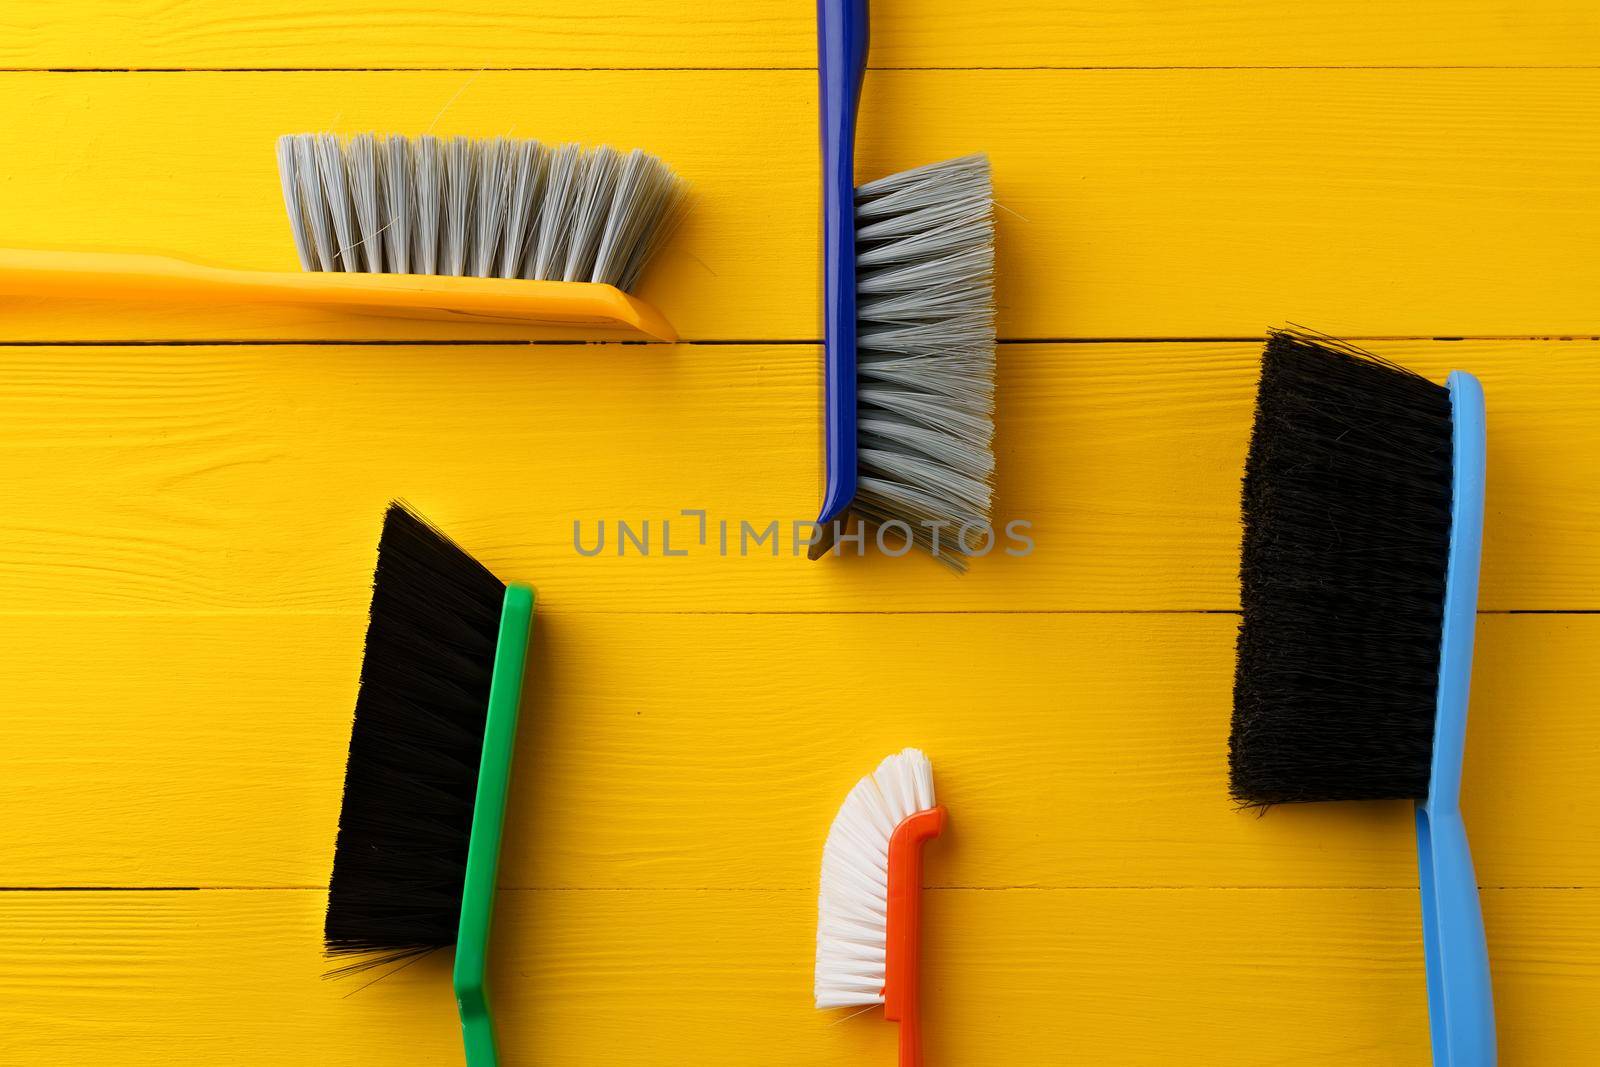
925	350
853	901
496	208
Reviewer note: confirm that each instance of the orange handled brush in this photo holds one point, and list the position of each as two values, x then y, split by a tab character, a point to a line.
869	907
495	230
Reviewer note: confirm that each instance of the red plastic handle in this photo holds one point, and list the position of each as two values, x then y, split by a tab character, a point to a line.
905	928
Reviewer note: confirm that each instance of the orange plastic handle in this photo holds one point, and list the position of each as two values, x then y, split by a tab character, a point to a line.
118	276
904	948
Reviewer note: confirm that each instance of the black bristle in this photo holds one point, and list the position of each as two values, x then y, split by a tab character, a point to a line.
1346	545
400	858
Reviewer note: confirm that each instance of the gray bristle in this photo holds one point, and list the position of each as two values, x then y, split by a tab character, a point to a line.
500	207
427	176
460	161
334	179
396	212
556	214
289	176
925	350
310	207
366	194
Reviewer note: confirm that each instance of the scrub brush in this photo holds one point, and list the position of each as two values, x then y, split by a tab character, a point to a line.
908	291
496	230
430	761
1363	515
870	903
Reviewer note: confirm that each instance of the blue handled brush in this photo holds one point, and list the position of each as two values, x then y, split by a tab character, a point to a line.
908	298
1363	513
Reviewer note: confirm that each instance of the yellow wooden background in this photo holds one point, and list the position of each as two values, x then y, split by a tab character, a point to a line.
190	500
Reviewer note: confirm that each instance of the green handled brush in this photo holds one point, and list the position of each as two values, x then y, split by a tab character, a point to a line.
430	761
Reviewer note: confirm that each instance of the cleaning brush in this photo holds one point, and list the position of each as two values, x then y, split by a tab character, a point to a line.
500	229
430	761
1363	512
869	905
908	294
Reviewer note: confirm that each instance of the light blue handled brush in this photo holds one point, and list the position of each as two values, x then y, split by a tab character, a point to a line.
1363	510
1460	996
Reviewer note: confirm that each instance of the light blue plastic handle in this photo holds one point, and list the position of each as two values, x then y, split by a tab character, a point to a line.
1460	996
842	29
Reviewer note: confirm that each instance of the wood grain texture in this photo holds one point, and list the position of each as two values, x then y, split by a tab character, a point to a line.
187	532
769	33
1135	203
253	479
1209	978
712	751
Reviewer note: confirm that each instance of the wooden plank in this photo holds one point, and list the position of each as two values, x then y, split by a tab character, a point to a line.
253	478
1205	977
1137	203
768	33
712	751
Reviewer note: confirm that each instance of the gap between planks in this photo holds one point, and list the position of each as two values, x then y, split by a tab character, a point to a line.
1197	888
748	342
725	611
799	67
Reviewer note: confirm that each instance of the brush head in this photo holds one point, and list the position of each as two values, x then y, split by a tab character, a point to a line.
1347	493
500	207
853	902
925	340
415	747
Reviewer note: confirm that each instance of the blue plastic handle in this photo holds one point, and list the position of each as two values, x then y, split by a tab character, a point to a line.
1460	996
842	33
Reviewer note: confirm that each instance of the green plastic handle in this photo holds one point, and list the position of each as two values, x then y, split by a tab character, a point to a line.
488	822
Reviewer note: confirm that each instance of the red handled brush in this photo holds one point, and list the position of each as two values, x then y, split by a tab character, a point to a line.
869	908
